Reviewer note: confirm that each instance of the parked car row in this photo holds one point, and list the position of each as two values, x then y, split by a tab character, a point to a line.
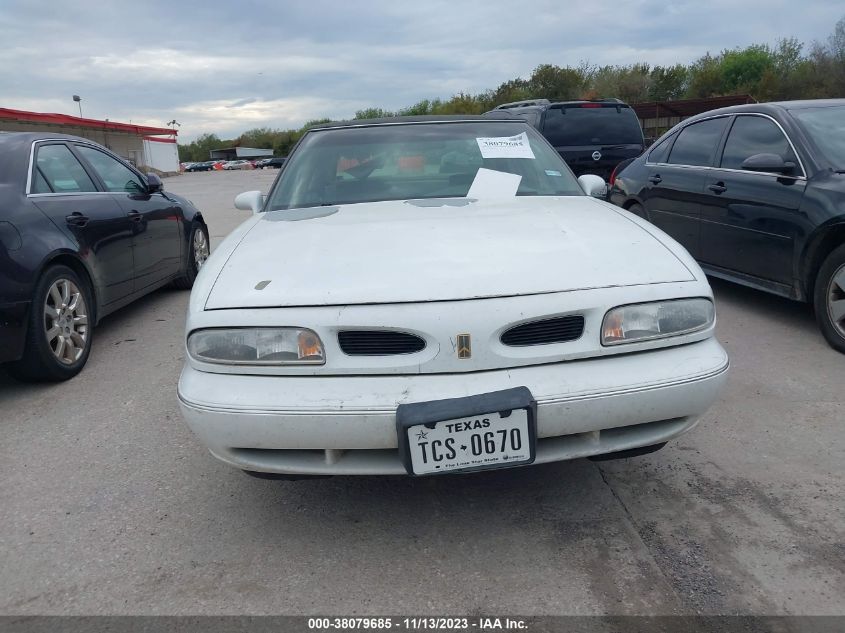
217	165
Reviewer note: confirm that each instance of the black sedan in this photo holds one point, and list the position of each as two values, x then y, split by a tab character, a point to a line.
82	233
204	166
757	194
272	163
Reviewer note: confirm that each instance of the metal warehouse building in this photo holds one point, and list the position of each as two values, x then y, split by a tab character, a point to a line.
141	145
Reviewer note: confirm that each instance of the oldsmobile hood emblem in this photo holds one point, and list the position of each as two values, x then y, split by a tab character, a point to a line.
464	346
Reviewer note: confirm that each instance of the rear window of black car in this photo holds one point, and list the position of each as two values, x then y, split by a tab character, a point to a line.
660	152
592	124
697	142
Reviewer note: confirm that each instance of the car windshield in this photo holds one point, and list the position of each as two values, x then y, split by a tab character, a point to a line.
592	124
825	125
407	161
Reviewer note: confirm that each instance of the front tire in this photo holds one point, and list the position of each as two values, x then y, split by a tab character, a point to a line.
59	328
199	250
829	299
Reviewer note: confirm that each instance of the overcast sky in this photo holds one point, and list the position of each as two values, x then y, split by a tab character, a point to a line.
226	67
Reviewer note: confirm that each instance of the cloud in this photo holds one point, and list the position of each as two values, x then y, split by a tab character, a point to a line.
229	119
227	67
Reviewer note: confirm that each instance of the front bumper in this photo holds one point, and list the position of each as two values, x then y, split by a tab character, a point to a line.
345	425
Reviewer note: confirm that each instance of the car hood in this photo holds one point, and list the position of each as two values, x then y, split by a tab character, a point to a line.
439	250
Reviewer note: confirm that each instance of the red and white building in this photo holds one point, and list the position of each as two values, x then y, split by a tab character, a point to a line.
141	145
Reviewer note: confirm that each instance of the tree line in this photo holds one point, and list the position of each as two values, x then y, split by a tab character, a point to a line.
787	70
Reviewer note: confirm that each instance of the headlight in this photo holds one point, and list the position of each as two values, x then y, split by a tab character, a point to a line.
257	346
645	321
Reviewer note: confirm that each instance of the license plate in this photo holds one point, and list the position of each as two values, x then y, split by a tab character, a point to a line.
439	437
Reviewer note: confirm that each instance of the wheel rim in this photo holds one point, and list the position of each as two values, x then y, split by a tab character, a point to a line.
200	248
66	321
836	300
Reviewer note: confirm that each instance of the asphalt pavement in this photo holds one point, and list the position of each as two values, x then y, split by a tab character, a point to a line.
109	505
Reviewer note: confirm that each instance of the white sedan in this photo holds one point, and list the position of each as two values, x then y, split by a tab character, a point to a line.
441	295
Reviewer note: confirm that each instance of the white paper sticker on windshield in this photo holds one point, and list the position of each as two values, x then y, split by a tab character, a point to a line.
489	183
505	147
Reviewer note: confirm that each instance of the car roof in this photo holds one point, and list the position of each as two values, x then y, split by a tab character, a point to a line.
501	116
534	107
770	107
29	137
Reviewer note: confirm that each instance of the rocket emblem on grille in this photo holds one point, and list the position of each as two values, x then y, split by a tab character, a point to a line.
464	346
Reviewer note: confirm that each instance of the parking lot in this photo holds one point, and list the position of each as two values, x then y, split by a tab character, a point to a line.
110	505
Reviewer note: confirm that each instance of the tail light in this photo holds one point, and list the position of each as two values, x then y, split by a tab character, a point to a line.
612	178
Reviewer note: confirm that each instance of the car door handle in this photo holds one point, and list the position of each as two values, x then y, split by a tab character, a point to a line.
135	216
77	219
717	187
656	179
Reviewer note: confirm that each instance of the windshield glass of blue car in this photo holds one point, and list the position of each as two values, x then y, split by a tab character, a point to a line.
348	165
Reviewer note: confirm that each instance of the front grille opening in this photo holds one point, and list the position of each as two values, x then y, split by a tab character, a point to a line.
545	331
379	343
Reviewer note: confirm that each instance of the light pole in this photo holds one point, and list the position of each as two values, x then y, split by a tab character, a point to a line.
78	100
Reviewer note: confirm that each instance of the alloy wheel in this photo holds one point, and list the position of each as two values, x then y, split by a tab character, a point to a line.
200	248
836	300
66	321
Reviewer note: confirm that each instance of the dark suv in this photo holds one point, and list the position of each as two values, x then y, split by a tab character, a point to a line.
756	193
593	137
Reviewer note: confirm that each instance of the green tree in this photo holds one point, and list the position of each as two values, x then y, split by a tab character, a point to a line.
421	108
555	83
668	83
508	92
314	122
262	137
461	103
742	70
706	78
373	113
200	149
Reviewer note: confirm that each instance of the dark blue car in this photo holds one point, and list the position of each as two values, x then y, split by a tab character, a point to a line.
82	233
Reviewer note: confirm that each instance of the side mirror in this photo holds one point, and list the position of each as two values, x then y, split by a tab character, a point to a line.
593	185
771	163
250	201
154	183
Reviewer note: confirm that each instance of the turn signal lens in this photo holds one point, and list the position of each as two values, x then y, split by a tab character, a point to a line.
257	346
310	347
647	321
612	329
